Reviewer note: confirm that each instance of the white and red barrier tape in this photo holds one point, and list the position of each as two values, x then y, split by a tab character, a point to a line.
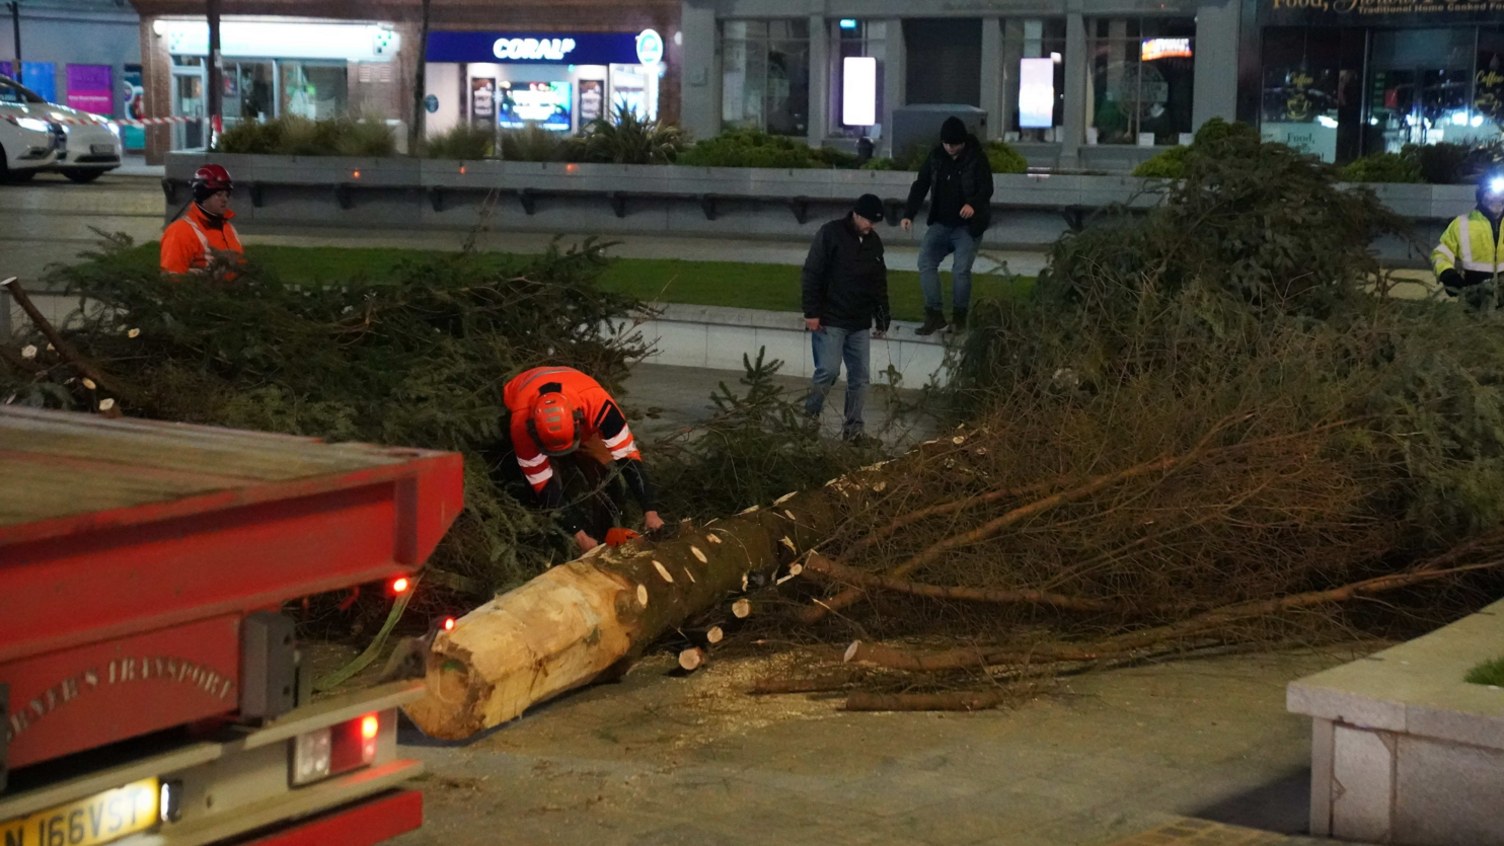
101	121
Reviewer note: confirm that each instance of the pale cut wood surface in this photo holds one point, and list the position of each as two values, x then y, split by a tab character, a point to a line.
59	464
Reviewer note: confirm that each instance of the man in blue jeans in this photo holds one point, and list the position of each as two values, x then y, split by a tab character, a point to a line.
960	210
845	286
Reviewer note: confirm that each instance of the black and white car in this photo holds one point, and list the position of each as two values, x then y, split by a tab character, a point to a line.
86	145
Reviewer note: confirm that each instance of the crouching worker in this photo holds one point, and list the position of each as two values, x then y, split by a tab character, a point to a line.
565	424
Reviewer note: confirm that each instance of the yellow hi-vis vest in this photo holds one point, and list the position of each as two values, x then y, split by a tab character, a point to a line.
1469	247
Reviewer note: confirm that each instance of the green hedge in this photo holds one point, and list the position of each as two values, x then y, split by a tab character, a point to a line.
755	148
1435	164
292	135
1001	157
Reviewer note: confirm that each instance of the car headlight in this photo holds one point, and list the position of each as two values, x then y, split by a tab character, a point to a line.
114	130
30	123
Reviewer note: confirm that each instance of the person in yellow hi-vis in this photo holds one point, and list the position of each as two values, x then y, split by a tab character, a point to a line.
1470	258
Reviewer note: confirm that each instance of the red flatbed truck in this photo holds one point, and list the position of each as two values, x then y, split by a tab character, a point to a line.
151	693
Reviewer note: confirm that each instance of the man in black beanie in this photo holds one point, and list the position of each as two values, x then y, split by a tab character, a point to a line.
960	210
845	291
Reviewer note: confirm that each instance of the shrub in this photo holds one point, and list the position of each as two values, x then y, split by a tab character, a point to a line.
755	148
631	140
1454	164
1171	164
1004	159
368	136
464	141
1001	158
533	143
294	135
251	137
1384	167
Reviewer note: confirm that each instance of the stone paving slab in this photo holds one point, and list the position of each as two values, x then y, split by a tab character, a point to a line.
657	759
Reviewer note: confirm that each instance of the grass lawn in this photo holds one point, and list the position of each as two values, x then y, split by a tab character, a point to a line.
1489	672
765	286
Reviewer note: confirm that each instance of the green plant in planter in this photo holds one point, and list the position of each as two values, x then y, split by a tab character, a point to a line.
1171	164
533	143
631	139
368	136
751	148
463	142
1383	167
1004	159
251	137
294	135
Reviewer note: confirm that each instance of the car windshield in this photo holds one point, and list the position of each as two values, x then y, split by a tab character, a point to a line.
10	92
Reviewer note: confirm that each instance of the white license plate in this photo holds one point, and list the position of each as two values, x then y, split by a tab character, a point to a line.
101	149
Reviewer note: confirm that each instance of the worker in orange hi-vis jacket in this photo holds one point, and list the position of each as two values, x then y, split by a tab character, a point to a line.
202	242
558	412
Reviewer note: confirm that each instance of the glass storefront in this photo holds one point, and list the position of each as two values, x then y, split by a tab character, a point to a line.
1363	77
765	75
559	81
277	68
1140	80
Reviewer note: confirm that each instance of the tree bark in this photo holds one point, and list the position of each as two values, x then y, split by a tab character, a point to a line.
568	626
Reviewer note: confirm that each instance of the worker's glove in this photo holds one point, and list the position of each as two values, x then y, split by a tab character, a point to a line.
1451	279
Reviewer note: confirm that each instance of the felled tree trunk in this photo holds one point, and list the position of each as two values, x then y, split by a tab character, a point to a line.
577	621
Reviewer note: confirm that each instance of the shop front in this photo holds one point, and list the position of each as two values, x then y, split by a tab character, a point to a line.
557	81
274	68
1349	78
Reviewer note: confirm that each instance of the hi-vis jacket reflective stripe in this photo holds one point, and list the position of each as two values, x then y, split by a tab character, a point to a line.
603	419
187	242
1470	247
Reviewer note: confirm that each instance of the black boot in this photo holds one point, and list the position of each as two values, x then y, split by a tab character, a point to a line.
933	321
958	321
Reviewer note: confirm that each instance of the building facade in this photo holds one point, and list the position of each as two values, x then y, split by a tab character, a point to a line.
81	53
1103	83
1072	83
1093	84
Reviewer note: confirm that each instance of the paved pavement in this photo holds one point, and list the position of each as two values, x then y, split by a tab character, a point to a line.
677	398
659	759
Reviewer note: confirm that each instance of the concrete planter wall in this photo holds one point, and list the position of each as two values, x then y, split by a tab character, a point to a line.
1403	750
1031	209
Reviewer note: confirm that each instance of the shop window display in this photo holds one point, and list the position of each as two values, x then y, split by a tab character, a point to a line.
1140	86
1311	96
1033	78
765	75
315	90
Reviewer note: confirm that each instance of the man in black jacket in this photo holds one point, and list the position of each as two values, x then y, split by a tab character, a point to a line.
960	211
845	290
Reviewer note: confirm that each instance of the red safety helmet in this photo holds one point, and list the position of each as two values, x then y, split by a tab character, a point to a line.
210	180
555	425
